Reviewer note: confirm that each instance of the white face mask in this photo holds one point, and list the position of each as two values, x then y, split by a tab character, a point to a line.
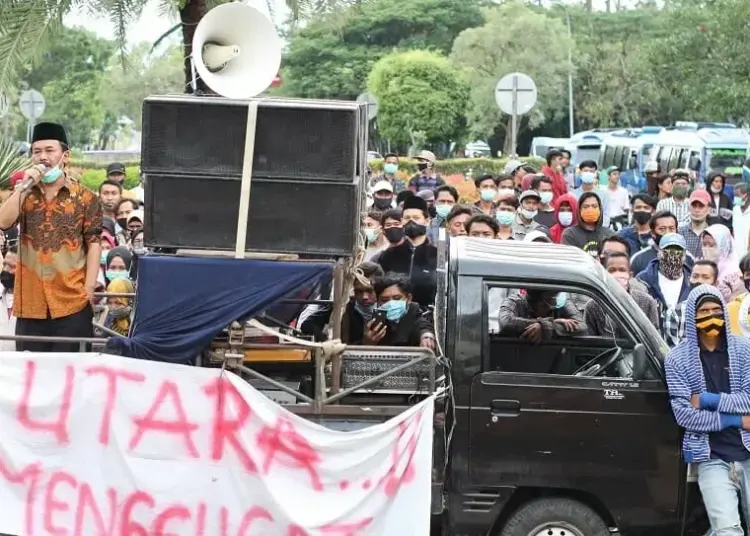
566	218
711	253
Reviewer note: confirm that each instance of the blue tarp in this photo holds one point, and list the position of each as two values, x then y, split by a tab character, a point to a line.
184	302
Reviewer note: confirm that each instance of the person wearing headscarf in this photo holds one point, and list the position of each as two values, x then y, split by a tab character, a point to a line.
718	246
708	375
134	222
118	264
119	309
139	250
566	214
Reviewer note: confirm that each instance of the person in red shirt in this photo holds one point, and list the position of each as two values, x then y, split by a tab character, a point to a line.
553	170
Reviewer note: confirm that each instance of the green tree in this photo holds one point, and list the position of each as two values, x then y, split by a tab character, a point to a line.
421	97
332	56
514	38
69	79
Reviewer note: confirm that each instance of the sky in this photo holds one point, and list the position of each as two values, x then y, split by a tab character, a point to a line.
151	24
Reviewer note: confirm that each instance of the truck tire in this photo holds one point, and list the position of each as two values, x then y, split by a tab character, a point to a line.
555	517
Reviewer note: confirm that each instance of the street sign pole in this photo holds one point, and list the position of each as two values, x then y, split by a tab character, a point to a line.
514	120
515	95
32	106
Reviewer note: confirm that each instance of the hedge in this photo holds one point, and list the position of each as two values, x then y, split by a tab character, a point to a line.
461	166
91	164
93	176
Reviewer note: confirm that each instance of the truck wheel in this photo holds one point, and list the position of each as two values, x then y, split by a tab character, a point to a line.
555	517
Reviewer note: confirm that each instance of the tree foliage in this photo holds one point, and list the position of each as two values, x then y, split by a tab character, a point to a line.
333	55
421	96
514	38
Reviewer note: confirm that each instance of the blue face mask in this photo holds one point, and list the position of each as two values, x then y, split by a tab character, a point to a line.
738	201
104	256
560	300
52	175
372	235
365	311
394	310
443	210
505	218
488	195
119	274
390	169
588	178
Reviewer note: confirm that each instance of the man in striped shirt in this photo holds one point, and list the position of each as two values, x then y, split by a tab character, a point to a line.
708	375
678	204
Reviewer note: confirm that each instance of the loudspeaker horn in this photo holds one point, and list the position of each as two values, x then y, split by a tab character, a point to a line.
236	51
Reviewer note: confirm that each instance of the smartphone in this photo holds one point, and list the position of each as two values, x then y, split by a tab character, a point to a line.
380	317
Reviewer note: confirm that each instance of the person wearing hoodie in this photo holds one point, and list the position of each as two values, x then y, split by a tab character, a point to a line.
590	183
566	209
589	231
668	277
708	378
638	234
554	171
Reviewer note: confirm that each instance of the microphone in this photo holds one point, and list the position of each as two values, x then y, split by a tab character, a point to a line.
28	183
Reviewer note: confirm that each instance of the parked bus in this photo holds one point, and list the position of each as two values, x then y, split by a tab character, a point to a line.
541	145
704	150
629	150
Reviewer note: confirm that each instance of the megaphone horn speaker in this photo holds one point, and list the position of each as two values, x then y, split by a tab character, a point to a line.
236	51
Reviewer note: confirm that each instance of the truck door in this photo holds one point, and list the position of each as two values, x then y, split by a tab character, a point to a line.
540	420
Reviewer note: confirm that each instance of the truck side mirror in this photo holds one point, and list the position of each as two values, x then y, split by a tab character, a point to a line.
640	362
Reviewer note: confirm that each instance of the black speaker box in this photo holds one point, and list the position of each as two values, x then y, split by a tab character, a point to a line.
307	184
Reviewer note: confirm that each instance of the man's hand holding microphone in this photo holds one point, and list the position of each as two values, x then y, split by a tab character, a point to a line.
31	177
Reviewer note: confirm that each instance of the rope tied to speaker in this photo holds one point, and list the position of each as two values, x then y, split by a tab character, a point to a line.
329	348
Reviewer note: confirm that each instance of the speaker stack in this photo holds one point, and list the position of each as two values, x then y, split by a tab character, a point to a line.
309	156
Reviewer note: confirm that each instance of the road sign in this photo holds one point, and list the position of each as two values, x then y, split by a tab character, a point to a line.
372	104
32	104
4	105
515	94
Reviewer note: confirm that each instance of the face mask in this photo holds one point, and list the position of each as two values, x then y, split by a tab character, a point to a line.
414	230
139	251
382	204
394	310
528	214
122	222
565	218
711	253
365	311
120	313
432	211
422	166
52	175
104	256
680	192
716	190
372	235
738	201
390	169
590	215
546	197
488	195
623	279
505	218
559	301
8	280
587	178
443	210
119	274
641	217
711	326
670	263
506	192
394	234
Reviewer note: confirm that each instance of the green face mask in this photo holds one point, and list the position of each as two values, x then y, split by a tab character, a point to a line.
680	192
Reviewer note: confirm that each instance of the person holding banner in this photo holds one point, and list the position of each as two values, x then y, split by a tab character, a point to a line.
58	248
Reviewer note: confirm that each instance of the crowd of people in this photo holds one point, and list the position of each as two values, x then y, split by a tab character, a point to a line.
680	249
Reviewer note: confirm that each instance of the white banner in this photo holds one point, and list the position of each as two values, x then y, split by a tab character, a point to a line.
96	445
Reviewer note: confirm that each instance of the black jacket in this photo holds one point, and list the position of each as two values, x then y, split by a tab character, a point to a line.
409	330
419	264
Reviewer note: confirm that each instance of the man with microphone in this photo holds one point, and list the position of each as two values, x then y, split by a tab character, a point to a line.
58	247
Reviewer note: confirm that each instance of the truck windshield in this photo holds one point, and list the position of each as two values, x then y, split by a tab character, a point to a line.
726	161
655	340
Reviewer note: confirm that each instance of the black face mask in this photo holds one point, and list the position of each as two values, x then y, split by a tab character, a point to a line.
122	222
394	234
422	166
382	204
432	211
8	280
415	230
641	217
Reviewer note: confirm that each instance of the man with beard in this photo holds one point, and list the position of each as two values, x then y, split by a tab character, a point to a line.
415	257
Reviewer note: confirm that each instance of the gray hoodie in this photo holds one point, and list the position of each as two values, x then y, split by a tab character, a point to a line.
578	236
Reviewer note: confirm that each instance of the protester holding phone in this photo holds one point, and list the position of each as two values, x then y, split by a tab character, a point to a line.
397	320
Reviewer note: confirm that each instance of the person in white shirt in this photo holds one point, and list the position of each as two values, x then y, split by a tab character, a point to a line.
618	197
741	217
7	284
